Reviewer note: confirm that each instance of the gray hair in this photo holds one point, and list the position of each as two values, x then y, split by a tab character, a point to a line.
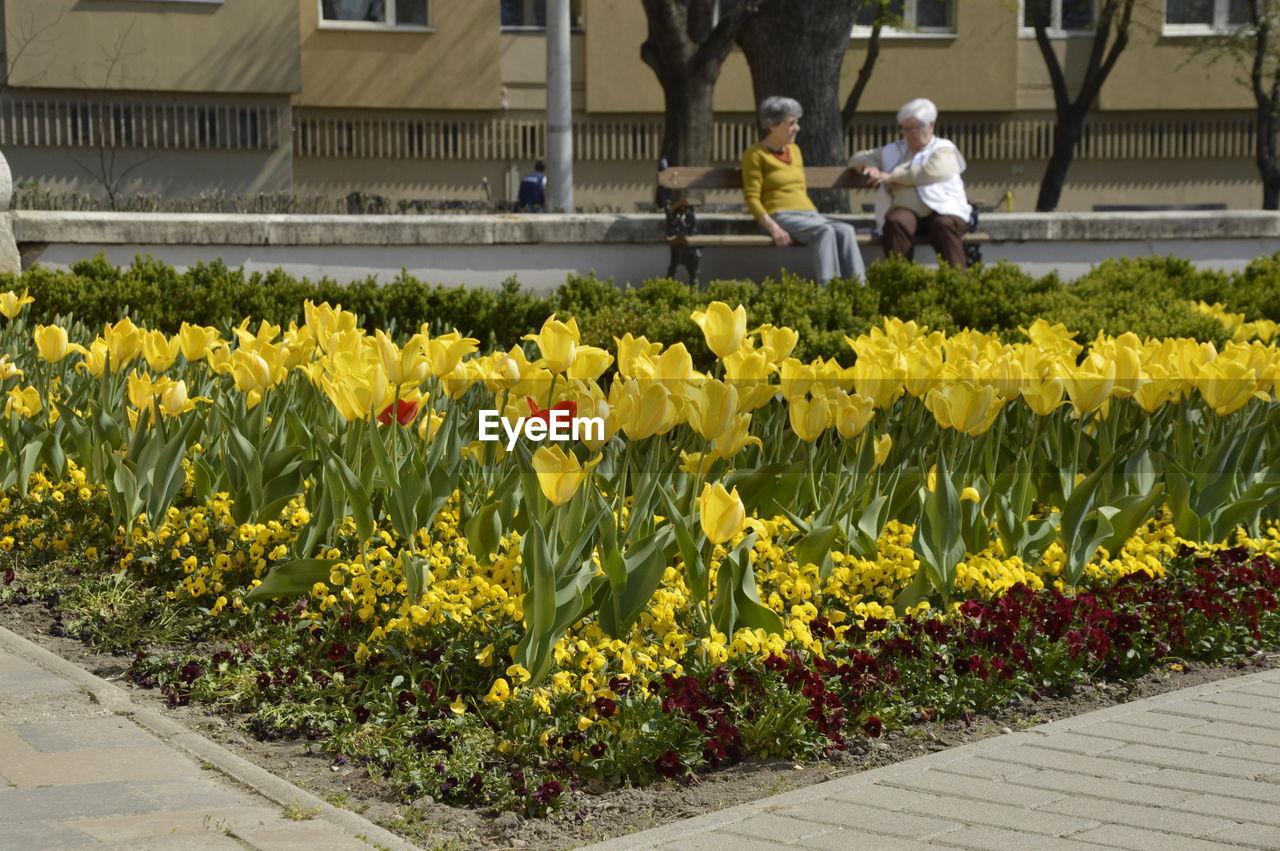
922	109
775	109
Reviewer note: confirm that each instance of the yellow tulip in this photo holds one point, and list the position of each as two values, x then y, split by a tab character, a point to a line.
674	365
501	371
25	402
11	304
557	342
749	373
630	349
325	321
796	378
852	413
457	382
964	406
195	341
736	438
95	358
160	352
407	366
712	407
590	363
1043	395
174	400
1228	385
51	342
923	365
141	390
124	342
642	409
1090	384
429	425
884	444
809	417
1053	339
880	376
445	352
971	494
721	513
560	474
777	343
8	369
724	329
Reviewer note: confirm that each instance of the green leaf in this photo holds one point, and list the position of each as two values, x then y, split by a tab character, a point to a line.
484	533
937	539
293	578
698	573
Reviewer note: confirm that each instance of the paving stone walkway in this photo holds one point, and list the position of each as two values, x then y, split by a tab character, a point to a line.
74	773
1196	768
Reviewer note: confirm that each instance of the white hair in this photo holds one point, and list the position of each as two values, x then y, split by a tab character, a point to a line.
775	109
921	109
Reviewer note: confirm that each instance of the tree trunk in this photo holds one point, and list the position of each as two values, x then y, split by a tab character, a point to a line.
688	119
1065	137
795	48
1266	158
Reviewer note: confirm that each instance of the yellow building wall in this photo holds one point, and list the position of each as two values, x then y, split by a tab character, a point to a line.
1165	72
454	66
234	47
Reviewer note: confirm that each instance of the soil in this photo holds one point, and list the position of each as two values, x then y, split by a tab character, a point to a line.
593	815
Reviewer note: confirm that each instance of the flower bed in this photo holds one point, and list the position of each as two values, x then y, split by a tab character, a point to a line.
763	558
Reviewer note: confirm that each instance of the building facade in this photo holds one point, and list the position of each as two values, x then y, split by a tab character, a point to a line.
444	99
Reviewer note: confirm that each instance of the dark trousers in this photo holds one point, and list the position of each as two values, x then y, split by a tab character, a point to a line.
944	232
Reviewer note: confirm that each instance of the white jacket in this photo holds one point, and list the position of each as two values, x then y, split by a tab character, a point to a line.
946	198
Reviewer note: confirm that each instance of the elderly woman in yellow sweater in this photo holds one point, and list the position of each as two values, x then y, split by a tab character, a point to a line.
774	189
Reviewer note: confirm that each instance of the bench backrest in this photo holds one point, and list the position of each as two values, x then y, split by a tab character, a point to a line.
816	177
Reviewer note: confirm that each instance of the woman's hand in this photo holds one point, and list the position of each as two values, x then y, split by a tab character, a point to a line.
779	236
875	176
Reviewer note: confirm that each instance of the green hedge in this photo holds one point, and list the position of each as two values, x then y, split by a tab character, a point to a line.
1148	296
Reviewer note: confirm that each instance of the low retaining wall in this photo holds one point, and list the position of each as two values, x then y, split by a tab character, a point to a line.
541	250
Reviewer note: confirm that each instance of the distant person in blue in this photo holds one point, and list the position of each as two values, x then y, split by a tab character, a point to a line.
533	190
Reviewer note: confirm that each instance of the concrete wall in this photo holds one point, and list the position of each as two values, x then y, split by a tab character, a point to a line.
113	45
540	251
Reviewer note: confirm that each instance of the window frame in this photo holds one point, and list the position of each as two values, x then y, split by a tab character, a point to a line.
1219	26
909	30
372	26
1055	31
573	27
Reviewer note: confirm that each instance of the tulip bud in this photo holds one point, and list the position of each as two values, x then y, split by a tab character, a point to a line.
721	513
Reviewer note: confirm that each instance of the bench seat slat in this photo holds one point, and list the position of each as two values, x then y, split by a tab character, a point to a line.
731	240
816	177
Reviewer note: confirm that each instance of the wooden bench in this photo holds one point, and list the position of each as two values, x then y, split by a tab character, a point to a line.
686	243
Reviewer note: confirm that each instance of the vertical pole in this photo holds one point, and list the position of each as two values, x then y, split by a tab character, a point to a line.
559	110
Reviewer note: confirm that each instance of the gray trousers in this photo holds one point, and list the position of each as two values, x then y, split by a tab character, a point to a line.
834	244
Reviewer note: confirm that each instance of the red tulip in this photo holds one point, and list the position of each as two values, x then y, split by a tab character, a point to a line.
405	411
545	414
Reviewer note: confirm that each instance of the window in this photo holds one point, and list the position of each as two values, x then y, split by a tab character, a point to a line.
374	14
909	17
1204	16
1063	16
532	14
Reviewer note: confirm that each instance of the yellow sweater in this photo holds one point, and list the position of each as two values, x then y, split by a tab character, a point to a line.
770	185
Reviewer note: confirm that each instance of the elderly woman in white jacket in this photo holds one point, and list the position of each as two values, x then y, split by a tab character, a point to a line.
918	182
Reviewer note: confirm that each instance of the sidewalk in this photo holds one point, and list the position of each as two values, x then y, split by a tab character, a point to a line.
77	771
1197	768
